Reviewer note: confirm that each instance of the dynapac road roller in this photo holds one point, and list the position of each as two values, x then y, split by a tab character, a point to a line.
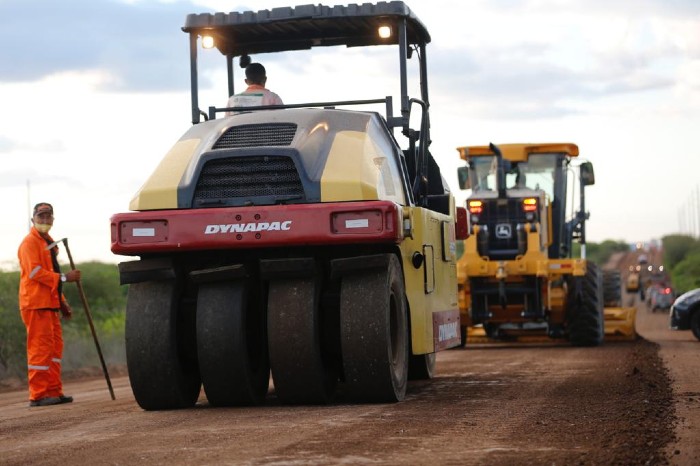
518	277
312	241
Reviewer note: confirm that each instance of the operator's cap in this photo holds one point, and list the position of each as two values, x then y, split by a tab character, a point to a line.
43	207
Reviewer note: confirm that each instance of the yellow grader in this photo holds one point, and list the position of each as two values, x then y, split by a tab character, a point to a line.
517	277
305	241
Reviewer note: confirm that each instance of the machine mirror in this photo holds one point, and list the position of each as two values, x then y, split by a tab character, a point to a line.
463	177
586	173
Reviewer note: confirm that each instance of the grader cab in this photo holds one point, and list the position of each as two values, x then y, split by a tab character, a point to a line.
517	277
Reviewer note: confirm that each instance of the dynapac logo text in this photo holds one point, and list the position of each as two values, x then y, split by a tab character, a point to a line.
247	227
448	331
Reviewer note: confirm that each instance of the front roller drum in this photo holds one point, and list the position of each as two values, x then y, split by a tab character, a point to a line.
232	344
374	333
301	372
160	353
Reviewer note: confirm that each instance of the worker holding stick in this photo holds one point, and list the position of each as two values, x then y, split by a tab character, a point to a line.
41	300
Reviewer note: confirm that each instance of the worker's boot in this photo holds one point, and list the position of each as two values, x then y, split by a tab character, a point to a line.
48	401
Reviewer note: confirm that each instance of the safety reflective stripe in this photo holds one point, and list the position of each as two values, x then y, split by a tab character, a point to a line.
38	368
56	360
34	271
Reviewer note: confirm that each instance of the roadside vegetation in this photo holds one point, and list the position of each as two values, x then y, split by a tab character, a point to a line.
107	301
682	257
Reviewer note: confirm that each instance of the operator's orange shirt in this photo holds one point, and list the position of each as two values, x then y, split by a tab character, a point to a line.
38	283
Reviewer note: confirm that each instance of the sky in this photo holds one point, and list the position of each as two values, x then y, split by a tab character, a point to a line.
94	93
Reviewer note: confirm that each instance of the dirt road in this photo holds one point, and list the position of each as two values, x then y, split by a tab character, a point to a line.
496	405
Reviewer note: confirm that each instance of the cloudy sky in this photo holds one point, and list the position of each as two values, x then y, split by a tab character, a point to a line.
94	92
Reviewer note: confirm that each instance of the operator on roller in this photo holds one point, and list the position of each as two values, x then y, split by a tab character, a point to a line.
256	94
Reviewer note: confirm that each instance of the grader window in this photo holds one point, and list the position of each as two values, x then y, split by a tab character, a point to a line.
483	171
539	172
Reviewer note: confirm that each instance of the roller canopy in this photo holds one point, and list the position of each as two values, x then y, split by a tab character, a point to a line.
305	26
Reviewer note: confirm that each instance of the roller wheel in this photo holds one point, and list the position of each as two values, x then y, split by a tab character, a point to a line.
585	318
421	366
160	355
299	371
374	334
231	344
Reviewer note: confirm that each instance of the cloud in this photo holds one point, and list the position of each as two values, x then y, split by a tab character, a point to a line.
6	145
550	60
139	44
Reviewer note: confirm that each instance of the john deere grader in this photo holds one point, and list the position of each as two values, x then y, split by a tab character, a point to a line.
517	277
306	240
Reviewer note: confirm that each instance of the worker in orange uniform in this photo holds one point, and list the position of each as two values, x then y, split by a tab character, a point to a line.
40	301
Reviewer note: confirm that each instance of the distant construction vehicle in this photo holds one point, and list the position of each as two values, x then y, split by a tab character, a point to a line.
300	240
517	276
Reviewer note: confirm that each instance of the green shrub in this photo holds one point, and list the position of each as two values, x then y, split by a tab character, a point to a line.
107	302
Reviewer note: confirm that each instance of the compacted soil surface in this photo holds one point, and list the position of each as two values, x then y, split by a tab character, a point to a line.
626	403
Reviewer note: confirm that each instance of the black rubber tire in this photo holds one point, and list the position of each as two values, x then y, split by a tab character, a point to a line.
162	367
612	288
585	316
421	366
232	344
695	323
374	334
300	373
463	332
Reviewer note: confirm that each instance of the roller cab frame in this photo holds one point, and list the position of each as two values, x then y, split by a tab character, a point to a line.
316	240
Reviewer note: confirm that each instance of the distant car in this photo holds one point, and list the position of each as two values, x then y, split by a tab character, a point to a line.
685	312
660	298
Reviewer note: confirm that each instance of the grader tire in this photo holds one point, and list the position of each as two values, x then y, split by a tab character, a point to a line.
299	371
612	288
421	366
162	368
231	344
585	317
374	334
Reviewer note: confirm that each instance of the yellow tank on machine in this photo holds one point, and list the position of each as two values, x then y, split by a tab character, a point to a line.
517	276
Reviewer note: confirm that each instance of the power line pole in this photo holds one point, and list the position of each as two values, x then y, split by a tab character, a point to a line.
697	209
29	206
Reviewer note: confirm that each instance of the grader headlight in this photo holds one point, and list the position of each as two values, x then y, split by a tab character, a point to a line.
530	208
475	209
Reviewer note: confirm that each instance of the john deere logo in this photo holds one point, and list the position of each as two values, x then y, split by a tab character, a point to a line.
503	231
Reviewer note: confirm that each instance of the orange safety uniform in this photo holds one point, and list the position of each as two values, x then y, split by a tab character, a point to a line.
40	302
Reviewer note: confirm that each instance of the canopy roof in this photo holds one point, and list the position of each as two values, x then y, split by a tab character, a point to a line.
306	26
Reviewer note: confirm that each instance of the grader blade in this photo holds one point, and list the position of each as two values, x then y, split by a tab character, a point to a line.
619	323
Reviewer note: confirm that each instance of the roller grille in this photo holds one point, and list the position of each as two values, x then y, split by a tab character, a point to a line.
271	134
248	177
